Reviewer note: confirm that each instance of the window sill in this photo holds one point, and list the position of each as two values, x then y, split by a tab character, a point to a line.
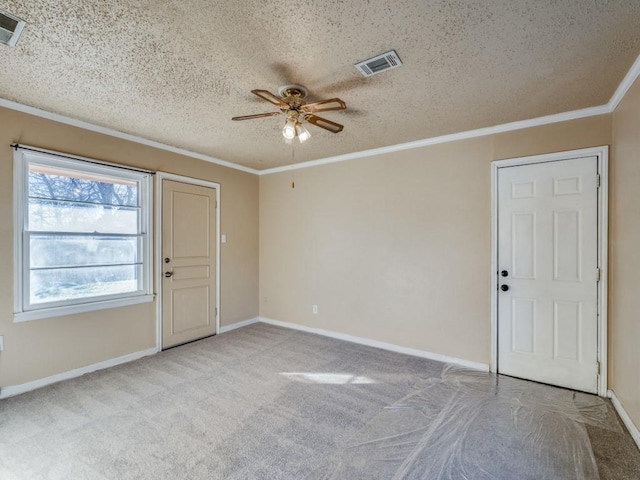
80	308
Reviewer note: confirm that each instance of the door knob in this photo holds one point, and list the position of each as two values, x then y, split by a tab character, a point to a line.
168	274
167	260
504	273
504	288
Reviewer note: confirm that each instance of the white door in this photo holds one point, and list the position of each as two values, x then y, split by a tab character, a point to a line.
189	262
547	271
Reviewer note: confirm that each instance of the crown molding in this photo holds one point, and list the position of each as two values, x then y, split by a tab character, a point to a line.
481	132
625	85
56	117
631	76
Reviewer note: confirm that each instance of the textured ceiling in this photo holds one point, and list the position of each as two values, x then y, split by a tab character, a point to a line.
177	71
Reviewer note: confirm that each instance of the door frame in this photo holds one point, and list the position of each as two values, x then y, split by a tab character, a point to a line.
160	176
602	154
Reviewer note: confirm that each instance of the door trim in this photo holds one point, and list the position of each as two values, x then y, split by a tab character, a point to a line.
160	176
602	154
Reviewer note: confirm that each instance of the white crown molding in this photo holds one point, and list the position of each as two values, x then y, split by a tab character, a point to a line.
382	345
234	326
626	419
627	82
12	390
481	132
625	85
121	135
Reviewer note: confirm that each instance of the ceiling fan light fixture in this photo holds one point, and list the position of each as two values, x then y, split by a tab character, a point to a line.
289	130
302	132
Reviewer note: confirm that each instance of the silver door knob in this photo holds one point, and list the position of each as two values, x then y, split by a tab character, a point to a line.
168	274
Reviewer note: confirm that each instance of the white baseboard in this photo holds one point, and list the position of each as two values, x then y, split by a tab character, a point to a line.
626	419
384	346
233	326
12	390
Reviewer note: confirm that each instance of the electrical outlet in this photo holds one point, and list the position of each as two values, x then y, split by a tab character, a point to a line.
315	309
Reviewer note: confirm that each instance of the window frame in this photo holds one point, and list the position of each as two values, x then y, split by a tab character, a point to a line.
23	309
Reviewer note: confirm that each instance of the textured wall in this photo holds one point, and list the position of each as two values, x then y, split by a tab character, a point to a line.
41	348
624	251
396	247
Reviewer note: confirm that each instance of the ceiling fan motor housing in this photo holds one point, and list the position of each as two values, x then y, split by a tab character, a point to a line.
293	90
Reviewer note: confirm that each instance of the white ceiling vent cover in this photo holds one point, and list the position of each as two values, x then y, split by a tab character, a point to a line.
383	62
10	28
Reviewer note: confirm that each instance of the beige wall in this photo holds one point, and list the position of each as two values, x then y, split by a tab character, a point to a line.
624	251
41	348
382	245
396	247
556	137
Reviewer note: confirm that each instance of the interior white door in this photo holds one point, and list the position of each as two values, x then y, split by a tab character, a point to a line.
548	272
189	262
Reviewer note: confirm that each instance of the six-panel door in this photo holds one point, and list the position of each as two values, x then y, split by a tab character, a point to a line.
547	249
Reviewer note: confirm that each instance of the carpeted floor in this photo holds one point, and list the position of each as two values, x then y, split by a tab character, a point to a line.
264	402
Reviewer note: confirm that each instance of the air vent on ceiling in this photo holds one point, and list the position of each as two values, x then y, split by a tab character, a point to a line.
10	28
379	63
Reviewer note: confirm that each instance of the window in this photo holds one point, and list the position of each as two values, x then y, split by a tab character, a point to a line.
82	235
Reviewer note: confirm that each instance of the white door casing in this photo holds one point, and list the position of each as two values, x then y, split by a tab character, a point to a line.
188	237
548	231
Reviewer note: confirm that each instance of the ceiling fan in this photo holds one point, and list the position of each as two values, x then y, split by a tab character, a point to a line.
291	102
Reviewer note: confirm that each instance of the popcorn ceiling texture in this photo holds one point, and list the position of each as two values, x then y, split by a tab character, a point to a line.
177	71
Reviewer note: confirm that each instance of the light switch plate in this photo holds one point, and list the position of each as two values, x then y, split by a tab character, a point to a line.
223	238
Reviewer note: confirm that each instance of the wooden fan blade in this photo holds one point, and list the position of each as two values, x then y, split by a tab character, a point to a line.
324	106
270	97
333	127
257	115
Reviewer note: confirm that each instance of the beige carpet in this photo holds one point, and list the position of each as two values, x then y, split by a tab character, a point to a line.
264	402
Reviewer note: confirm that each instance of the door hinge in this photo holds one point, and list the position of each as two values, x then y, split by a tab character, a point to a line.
598	180
598	365
216	312
598	274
